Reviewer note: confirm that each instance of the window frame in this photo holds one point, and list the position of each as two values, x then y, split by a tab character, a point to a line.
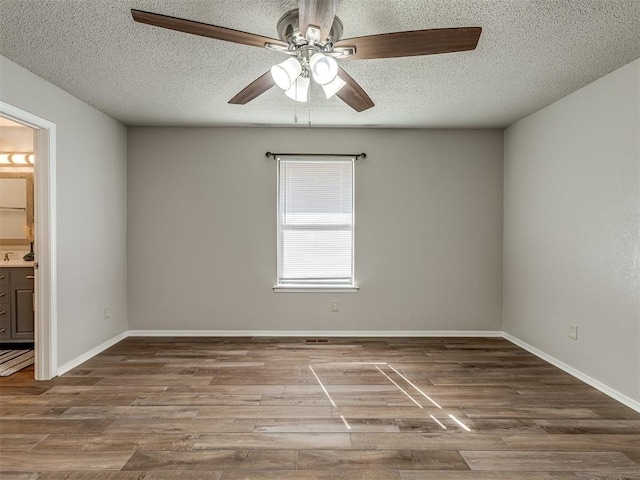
313	286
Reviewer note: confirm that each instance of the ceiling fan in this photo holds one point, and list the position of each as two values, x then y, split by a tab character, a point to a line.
311	36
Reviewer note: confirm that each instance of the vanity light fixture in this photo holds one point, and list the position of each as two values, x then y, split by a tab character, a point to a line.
17	159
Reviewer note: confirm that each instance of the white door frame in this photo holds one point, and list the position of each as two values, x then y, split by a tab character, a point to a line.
46	321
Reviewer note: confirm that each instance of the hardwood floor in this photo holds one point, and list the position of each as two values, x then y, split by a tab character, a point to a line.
281	408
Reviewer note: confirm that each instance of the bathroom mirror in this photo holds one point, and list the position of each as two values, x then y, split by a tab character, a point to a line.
16	208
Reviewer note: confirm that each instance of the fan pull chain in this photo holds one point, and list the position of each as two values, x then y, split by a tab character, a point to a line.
309	107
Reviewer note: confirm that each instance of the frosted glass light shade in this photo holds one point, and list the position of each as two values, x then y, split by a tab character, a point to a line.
299	91
19	159
331	88
285	73
324	69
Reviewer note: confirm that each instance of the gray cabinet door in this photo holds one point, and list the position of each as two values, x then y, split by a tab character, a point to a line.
22	312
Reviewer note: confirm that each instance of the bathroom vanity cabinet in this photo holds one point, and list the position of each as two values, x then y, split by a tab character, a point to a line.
16	304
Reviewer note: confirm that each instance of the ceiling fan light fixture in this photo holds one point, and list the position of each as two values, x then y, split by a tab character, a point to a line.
285	73
299	91
324	69
333	87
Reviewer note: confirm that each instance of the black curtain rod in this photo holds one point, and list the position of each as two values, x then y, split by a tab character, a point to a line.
354	155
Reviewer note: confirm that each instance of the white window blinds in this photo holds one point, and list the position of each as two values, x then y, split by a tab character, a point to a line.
315	221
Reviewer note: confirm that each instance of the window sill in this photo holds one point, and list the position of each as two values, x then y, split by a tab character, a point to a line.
315	288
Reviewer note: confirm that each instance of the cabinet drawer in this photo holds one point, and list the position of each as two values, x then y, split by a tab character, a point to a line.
5	327
22	276
4	294
4	276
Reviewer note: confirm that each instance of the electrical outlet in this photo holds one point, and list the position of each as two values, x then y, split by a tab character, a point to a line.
107	313
335	305
573	332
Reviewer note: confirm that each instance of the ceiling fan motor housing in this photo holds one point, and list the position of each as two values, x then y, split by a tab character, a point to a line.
289	31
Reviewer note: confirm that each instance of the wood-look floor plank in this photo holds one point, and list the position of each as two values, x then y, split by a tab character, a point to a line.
182	425
618	475
603	442
313	475
46	426
212	460
116	442
5	391
340	399
380	459
18	475
593	427
475	475
28	412
163	380
51	461
288	441
195	399
616	411
131	412
531	412
226	389
514	382
324	425
397	412
104	390
421	441
548	461
19	442
477	425
117	475
75	399
265	411
339	389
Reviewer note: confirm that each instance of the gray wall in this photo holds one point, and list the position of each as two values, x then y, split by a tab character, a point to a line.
91	210
571	229
202	238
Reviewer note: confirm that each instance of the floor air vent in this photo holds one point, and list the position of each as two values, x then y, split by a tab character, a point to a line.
317	340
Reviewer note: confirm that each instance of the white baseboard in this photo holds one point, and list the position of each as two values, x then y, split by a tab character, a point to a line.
62	369
313	333
597	384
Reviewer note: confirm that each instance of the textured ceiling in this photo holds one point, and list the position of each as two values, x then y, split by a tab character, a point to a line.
530	54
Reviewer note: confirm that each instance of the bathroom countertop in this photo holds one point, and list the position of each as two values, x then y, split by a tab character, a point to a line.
15	263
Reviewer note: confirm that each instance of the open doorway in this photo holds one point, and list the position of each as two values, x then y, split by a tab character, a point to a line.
17	258
31	255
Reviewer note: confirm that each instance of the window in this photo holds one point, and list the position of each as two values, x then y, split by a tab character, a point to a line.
315	223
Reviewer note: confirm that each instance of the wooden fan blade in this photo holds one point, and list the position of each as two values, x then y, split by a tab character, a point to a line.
203	29
319	13
254	89
352	93
416	42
